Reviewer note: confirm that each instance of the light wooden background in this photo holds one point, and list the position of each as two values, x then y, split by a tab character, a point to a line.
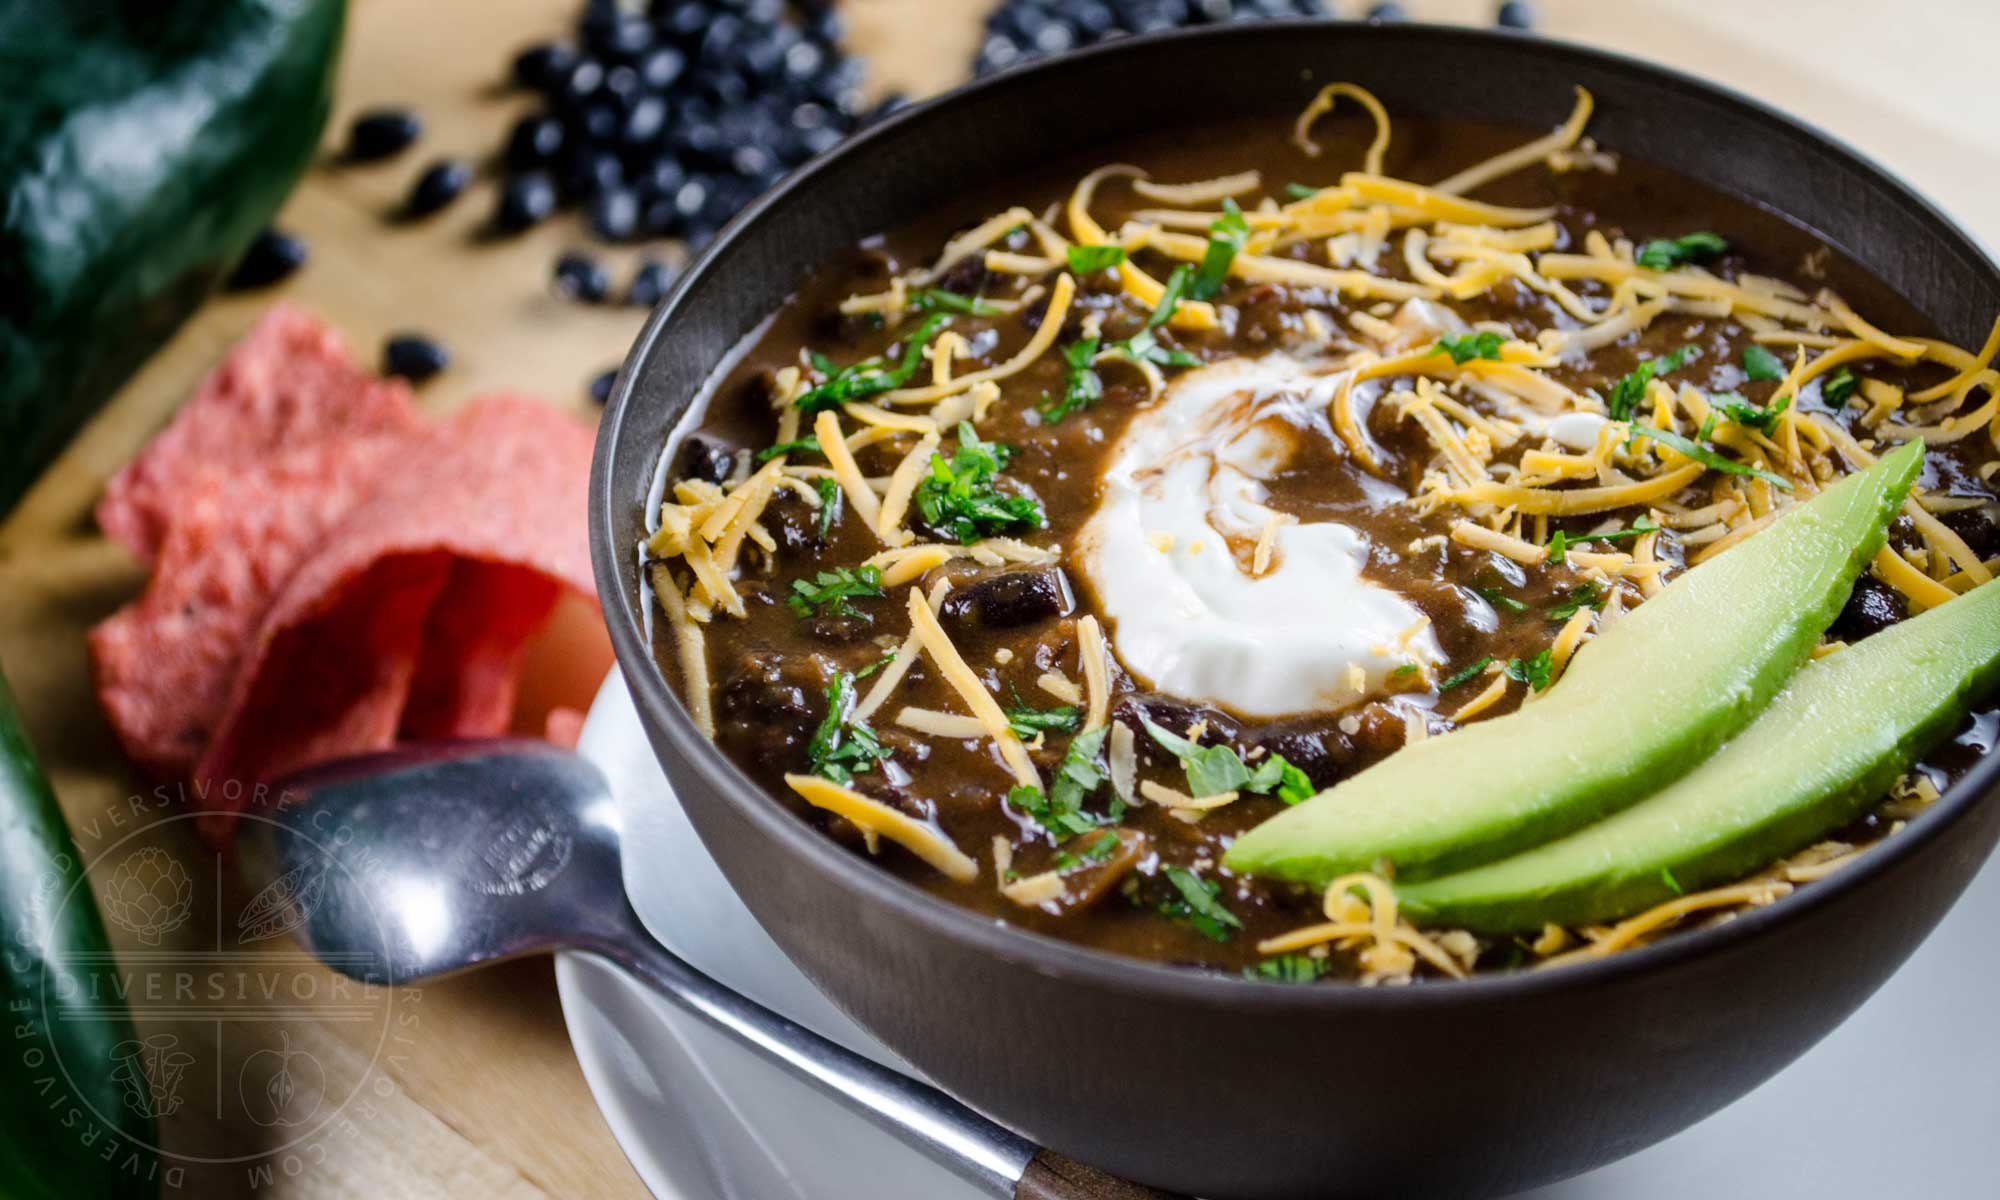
475	1092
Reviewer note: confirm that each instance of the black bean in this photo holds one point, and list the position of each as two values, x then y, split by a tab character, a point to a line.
525	200
684	20
1175	716
600	387
586	172
1516	14
381	133
413	356
1872	607
543	67
1009	599
645	122
581	277
649	284
662	176
273	255
535	141
614	214
661	67
1385	13
438	186
1980	527
585	78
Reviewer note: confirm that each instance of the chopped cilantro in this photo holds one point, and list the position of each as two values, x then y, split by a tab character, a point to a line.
829	592
1404	670
1838	389
1199	905
1101	847
1535	671
1060	809
1667	877
933	300
1465	348
1467	674
829	506
1085	259
875	666
1027	721
1213	770
1709	458
1082	387
1225	238
869	378
960	497
1638	528
1664	254
1630	390
1583	595
1500	599
841	747
1290	968
805	445
1761	364
1143	345
1299	191
1744	413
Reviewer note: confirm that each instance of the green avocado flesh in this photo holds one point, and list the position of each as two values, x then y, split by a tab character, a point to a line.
1655	694
1829	746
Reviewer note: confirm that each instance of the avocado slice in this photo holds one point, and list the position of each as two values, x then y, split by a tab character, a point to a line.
1827	748
1639	706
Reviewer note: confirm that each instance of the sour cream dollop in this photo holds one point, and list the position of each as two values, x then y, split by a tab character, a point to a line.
1170	553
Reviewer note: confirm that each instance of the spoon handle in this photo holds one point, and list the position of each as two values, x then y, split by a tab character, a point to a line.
996	1161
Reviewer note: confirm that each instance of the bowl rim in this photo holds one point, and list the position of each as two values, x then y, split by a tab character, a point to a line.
1070	963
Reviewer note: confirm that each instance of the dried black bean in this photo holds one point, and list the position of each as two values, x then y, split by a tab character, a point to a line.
381	133
535	141
649	284
543	67
600	387
439	185
581	277
1516	14
413	356
525	200
273	256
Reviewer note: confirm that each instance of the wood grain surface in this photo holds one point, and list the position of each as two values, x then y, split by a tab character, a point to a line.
469	1087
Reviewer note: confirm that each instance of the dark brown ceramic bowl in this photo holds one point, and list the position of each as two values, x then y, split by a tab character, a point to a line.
1219	1086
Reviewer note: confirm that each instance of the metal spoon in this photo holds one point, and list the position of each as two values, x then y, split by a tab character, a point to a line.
427	860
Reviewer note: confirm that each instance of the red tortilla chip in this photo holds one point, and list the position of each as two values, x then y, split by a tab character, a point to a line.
419	602
288	384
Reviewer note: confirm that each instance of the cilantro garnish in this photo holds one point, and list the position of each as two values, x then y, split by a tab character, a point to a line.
1536	670
1299	191
1213	770
1199	905
1026	720
842	748
1760	364
829	592
1838	389
1629	391
1225	239
959	496
829	505
1709	458
869	378
1583	595
1466	347
1751	416
805	445
1467	674
1664	254
1560	542
1060	809
875	666
1082	387
1143	345
1499	599
1101	847
1085	259
933	300
1667	877
1290	968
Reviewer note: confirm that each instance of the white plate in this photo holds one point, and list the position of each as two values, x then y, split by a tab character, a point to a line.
1900	1096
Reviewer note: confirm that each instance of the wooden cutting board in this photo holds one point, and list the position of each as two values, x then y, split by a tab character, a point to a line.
469	1087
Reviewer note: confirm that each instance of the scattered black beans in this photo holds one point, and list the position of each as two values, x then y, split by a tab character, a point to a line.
413	356
1516	14
381	133
274	255
649	284
525	200
1385	13
580	277
665	124
1020	30
439	185
600	387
